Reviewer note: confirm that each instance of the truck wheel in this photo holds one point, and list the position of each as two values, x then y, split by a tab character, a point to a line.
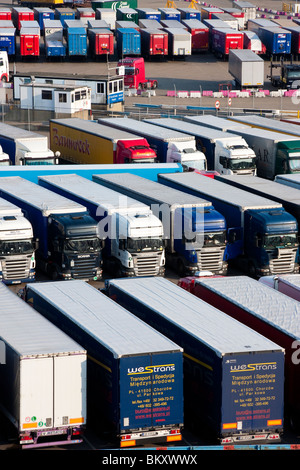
3	79
154	85
252	270
180	268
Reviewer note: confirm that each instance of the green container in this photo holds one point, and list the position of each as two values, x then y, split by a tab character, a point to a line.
114	4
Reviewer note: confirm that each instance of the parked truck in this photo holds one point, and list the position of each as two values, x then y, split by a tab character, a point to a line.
225	153
223	40
82	141
270	313
101	42
179	43
135	374
128	42
69	247
262	236
54	411
277	40
170	146
218	402
134	73
247	68
254	43
194	231
25	147
267	123
133	235
154	43
17	245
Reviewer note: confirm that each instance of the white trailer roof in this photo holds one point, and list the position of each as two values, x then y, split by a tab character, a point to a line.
153	190
214	122
193	129
15	132
290	180
291	279
92	192
8	208
272	124
270	188
245	55
147	129
28	332
224	334
223	191
106	321
40	198
96	129
262	301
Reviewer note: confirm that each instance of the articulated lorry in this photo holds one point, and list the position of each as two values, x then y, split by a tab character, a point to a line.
226	364
81	141
225	153
269	124
132	234
17	245
43	377
288	284
68	243
171	146
134	71
276	153
194	231
134	374
270	313
262	236
25	147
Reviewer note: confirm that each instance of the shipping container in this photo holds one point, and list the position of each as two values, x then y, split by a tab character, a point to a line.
272	314
230	20
150	24
8	41
5	14
19	14
43	377
135	374
189	14
63	14
101	42
97	24
249	9
170	14
225	39
200	34
76	35
85	14
257	23
127	14
233	376
154	42
206	12
253	42
41	14
179	42
113	5
107	14
148	13
240	15
29	42
128	42
247	68
127	24
276	40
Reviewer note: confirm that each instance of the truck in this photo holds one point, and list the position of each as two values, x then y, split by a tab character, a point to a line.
134	73
276	153
132	234
194	232
225	39
134	374
270	124
25	147
276	318
68	242
277	40
81	141
288	284
289	74
170	146
101	42
54	412
225	153
154	43
17	245
247	68
262	236
217	403
128	42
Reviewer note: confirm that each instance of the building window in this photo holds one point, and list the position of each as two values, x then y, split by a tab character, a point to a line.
101	88
46	95
62	97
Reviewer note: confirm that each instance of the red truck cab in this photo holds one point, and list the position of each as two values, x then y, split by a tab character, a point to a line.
139	151
134	73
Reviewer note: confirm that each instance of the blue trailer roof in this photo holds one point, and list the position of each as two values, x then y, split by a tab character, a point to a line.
213	327
106	321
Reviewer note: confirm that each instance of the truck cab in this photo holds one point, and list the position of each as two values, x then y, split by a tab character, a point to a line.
287	157
234	158
141	152
74	247
187	155
134	73
4	67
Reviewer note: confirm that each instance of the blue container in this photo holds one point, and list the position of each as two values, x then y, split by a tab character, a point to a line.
189	14
128	41
55	49
64	14
8	40
76	38
170	14
41	14
148	14
276	40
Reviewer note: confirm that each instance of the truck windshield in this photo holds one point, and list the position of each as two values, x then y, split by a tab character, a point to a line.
280	240
294	162
129	70
293	74
144	244
194	164
16	247
86	245
214	238
241	163
45	161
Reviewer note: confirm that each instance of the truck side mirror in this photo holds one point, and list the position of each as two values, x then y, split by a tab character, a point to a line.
223	162
36	244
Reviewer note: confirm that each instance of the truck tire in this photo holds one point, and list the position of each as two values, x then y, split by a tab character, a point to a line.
154	85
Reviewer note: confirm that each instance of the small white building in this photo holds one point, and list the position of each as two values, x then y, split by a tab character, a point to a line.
60	99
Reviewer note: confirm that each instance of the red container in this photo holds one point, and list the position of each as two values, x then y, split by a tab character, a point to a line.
200	34
225	39
101	41
154	42
5	14
22	14
29	43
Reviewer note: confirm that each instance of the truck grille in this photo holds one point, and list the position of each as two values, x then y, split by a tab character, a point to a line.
147	265
16	268
211	259
84	268
285	263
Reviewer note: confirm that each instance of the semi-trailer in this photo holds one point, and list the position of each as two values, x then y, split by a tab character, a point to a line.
154	43
233	376
288	284
82	141
25	147
43	377
128	42
270	124
277	40
76	37
69	247
200	34
179	43
8	45
225	153
276	153
193	230
223	40
17	245
254	43
253	223
132	234
247	68
272	314
170	146
289	180
101	42
135	373
29	41
149	13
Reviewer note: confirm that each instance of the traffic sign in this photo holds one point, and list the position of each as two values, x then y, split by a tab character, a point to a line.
229	101
217	104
